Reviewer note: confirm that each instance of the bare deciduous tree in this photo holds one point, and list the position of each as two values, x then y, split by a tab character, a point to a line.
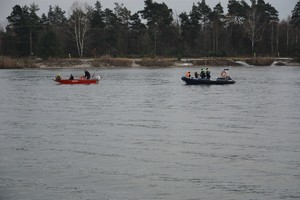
79	24
254	27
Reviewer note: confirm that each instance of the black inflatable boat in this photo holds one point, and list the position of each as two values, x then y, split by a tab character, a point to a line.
204	81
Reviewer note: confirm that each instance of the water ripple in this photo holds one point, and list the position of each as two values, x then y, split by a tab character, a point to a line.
144	134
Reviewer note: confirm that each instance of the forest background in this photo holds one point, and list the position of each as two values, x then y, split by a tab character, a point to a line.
93	31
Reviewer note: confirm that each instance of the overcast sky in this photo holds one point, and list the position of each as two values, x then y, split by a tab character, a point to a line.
284	7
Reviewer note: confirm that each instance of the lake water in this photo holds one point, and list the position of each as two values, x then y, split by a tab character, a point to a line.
143	134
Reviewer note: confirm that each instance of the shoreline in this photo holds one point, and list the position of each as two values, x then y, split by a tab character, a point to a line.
109	62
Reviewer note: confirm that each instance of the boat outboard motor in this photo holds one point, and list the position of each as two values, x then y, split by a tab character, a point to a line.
98	78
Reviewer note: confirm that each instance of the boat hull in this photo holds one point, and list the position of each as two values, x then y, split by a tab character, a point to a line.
202	81
77	81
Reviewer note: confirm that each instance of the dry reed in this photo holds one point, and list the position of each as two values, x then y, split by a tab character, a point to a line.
154	62
10	63
109	62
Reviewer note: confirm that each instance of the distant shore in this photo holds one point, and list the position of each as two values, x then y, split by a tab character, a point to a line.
20	63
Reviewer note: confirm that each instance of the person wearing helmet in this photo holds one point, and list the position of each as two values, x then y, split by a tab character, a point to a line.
58	77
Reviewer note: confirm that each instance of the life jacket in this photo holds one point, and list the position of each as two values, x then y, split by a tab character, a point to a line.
207	73
187	74
202	74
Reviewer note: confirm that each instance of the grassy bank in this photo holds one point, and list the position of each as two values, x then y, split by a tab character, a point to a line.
63	63
109	62
106	61
126	62
153	62
214	62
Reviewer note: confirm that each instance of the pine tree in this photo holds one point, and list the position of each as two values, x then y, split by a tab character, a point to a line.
296	15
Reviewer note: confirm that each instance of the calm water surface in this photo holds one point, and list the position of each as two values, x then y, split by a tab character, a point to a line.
144	134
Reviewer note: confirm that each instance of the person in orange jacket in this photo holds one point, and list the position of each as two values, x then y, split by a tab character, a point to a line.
188	74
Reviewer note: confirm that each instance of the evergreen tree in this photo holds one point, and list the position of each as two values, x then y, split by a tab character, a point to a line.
205	12
200	32
97	34
123	15
295	21
54	25
157	14
56	16
217	17
236	15
159	19
22	29
272	19
186	40
237	10
111	22
296	15
137	33
49	45
195	42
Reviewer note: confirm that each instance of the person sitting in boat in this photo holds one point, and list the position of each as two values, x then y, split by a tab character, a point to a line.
202	73
207	72
188	75
196	75
71	77
224	73
87	74
58	77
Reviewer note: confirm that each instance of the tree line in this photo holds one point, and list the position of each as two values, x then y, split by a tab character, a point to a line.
92	31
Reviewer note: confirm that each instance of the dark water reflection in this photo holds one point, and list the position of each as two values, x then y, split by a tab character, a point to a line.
144	134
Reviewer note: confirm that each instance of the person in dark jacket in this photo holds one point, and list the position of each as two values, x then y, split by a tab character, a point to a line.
87	74
196	75
202	73
71	77
207	73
